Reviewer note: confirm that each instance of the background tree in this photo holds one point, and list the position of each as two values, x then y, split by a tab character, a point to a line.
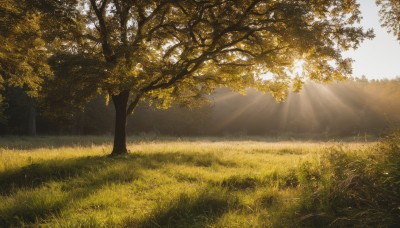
23	53
163	51
28	31
390	15
347	109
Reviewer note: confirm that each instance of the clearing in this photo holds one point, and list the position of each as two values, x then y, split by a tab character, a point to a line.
163	182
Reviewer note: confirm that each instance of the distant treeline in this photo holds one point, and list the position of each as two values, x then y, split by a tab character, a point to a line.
355	107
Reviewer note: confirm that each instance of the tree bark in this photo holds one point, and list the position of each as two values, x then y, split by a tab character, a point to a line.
120	103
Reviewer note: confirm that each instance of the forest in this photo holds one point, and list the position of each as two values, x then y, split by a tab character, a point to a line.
356	107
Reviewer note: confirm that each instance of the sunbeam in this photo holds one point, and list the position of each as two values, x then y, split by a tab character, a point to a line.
317	108
238	112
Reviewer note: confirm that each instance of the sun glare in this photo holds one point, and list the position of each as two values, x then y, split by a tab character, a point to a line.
298	68
309	109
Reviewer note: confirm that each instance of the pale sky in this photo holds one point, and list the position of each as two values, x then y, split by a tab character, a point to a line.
378	58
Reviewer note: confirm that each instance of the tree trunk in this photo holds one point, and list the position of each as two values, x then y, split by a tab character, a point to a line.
120	103
32	118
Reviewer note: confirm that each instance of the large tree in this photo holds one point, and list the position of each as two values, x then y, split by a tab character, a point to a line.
164	50
390	15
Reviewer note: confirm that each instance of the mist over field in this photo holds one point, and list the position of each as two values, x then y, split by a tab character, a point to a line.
343	109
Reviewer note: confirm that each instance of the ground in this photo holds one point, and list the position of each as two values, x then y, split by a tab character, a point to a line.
162	182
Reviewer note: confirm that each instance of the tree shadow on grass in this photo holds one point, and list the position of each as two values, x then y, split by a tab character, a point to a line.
197	210
180	158
44	189
78	178
37	174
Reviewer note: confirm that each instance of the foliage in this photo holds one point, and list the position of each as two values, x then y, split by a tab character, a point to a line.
71	92
166	51
23	53
390	15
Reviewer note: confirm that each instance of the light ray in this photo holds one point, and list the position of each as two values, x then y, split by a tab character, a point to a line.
238	112
224	96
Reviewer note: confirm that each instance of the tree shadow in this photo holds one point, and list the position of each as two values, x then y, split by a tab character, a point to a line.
32	207
38	174
197	210
185	158
36	198
81	177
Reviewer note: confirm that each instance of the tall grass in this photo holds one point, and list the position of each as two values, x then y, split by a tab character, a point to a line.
196	182
346	189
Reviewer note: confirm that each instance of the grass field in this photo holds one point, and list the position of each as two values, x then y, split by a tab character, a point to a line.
170	182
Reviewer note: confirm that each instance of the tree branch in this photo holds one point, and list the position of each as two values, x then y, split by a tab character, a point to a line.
133	104
143	20
108	53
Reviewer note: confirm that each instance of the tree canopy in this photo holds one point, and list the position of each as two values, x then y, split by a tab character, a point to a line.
168	49
23	53
390	15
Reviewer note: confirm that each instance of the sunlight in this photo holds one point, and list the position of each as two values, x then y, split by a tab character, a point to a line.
310	110
331	98
223	96
298	68
239	112
267	76
319	102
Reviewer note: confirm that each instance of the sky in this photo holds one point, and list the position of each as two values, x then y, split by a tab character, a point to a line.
378	58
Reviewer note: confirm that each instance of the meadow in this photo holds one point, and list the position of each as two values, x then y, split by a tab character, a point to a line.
198	182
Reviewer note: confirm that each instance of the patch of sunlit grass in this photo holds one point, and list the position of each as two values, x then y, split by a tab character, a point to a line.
216	182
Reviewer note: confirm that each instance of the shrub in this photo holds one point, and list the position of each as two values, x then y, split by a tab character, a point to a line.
350	190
